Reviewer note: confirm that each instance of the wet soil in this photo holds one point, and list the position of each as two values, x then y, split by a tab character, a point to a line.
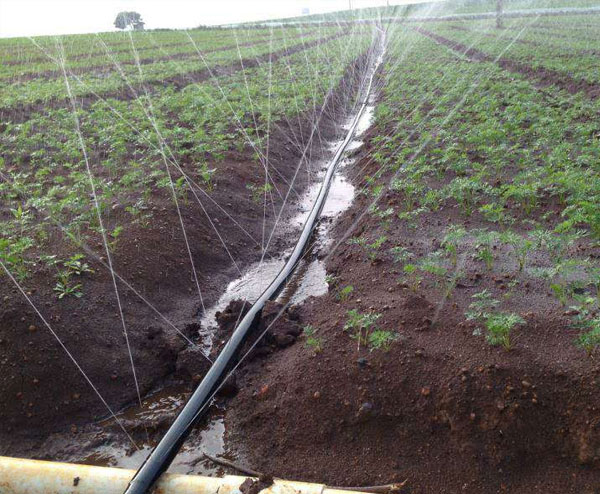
441	409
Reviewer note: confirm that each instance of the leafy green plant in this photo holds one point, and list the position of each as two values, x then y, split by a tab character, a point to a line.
496	213
433	264
76	265
482	307
312	341
590	340
345	293
466	191
64	286
381	339
22	218
374	247
13	253
499	327
259	191
401	254
411	276
114	236
521	246
484	242
361	325
452	240
206	175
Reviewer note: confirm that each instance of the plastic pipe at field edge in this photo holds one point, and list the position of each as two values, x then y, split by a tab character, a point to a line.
20	476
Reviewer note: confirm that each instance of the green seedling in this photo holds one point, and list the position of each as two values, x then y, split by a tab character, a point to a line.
401	254
452	241
259	192
521	246
345	293
483	245
381	339
114	238
206	175
312	341
64	287
374	247
499	327
412	277
75	265
482	307
590	340
361	325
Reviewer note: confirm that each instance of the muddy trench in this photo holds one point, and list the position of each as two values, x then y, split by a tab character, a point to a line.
102	442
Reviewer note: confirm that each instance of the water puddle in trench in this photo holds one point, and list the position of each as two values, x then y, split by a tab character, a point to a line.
311	274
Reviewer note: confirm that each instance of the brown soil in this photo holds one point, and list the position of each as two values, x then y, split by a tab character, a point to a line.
543	77
441	408
43	392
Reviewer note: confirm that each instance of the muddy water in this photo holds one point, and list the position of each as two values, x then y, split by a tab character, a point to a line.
311	275
103	444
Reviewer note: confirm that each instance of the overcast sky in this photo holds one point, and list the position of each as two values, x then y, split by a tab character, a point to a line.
38	17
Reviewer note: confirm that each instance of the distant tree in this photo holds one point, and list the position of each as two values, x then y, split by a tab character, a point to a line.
131	20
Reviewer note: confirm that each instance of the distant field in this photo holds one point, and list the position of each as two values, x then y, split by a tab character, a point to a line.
440	8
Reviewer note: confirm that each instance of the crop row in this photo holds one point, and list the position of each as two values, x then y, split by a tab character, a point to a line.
39	90
105	57
565	60
28	49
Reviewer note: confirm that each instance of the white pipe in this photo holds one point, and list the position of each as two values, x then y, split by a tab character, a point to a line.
21	476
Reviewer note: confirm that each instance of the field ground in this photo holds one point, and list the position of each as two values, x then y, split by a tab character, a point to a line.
457	345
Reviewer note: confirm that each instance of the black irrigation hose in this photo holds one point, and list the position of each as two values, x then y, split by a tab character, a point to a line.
165	451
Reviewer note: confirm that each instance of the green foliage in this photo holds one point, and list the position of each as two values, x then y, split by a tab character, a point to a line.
401	254
259	192
372	249
482	307
484	247
521	246
206	174
312	341
75	265
499	327
361	325
345	293
411	276
64	286
452	240
381	339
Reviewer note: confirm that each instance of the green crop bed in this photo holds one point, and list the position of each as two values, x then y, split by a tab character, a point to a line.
496	165
137	116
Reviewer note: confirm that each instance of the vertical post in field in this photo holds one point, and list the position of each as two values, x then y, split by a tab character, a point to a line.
499	19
